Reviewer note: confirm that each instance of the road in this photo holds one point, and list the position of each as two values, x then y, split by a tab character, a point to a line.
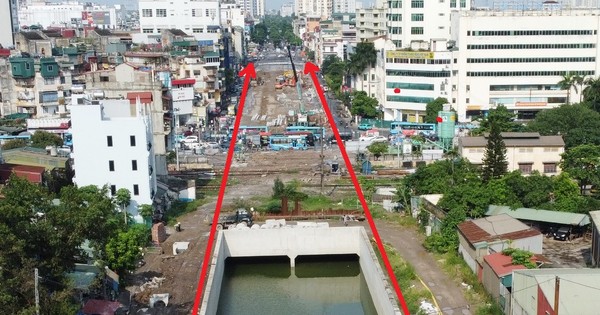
408	242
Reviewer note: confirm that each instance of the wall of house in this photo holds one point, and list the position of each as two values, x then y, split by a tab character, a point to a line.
515	155
543	305
491	282
595	244
467	252
524	299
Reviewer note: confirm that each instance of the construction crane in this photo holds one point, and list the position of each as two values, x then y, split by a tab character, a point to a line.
298	87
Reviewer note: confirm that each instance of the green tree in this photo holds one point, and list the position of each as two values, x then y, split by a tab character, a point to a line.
364	57
583	164
441	176
146	211
576	123
568	82
123	251
123	199
591	93
42	139
364	105
259	33
14	144
494	159
503	117
378	149
432	109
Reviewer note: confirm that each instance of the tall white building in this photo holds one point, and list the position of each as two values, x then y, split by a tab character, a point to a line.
247	5
517	58
287	9
514	58
202	19
9	22
370	23
322	8
112	145
344	6
259	8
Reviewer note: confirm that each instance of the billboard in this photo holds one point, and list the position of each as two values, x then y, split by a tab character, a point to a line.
95	17
404	54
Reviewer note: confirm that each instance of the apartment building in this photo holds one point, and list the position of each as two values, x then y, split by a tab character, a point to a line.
113	146
202	19
321	8
287	9
371	23
9	22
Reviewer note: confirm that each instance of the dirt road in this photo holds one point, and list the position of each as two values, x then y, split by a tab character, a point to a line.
408	242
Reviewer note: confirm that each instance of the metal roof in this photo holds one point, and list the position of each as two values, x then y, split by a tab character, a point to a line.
498	227
516	139
558	217
595	216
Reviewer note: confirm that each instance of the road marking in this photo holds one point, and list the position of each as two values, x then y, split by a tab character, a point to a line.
437	306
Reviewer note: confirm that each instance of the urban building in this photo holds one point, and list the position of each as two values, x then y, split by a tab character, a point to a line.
345	6
534	291
595	252
320	8
287	9
201	19
9	22
112	145
70	14
247	6
258	9
371	24
525	151
517	58
481	237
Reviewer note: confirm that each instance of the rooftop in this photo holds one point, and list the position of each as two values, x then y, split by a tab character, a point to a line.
498	227
557	217
32	35
103	32
516	139
595	216
501	264
578	287
177	32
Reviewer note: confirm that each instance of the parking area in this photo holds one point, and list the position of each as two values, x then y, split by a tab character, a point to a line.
568	254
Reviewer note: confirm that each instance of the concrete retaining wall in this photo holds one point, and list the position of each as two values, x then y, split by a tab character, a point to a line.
294	242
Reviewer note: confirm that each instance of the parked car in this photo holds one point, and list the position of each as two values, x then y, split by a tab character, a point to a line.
364	127
379	139
563	233
240	216
190	139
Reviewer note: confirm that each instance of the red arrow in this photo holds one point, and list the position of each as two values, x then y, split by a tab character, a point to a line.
248	72
311	68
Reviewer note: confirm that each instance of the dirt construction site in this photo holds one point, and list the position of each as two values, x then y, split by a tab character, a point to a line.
269	102
252	175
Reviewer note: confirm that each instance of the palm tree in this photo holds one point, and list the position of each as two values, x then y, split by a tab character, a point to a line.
591	93
580	81
364	56
568	83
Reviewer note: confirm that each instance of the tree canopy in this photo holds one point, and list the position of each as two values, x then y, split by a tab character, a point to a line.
494	158
364	105
577	124
378	149
503	117
42	139
433	108
275	29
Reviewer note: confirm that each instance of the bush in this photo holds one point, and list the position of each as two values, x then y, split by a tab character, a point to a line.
273	206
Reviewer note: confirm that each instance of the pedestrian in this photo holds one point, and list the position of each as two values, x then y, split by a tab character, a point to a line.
346	219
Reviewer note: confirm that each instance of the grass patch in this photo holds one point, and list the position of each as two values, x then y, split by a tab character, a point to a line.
179	208
412	291
457	269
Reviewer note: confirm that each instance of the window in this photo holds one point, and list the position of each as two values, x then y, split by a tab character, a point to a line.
147	30
161	12
132	141
549	167
196	30
416	17
417	3
193	12
416	30
525	168
134	165
365	77
394	4
49	81
111	165
136	190
146	12
109	141
113	190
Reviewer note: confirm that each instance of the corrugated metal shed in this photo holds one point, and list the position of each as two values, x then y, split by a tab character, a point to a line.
557	217
499	227
516	139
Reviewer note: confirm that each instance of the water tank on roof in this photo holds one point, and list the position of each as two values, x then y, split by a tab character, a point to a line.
446	123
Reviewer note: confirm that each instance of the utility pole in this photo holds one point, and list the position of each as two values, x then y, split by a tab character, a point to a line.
37	292
556	294
322	158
